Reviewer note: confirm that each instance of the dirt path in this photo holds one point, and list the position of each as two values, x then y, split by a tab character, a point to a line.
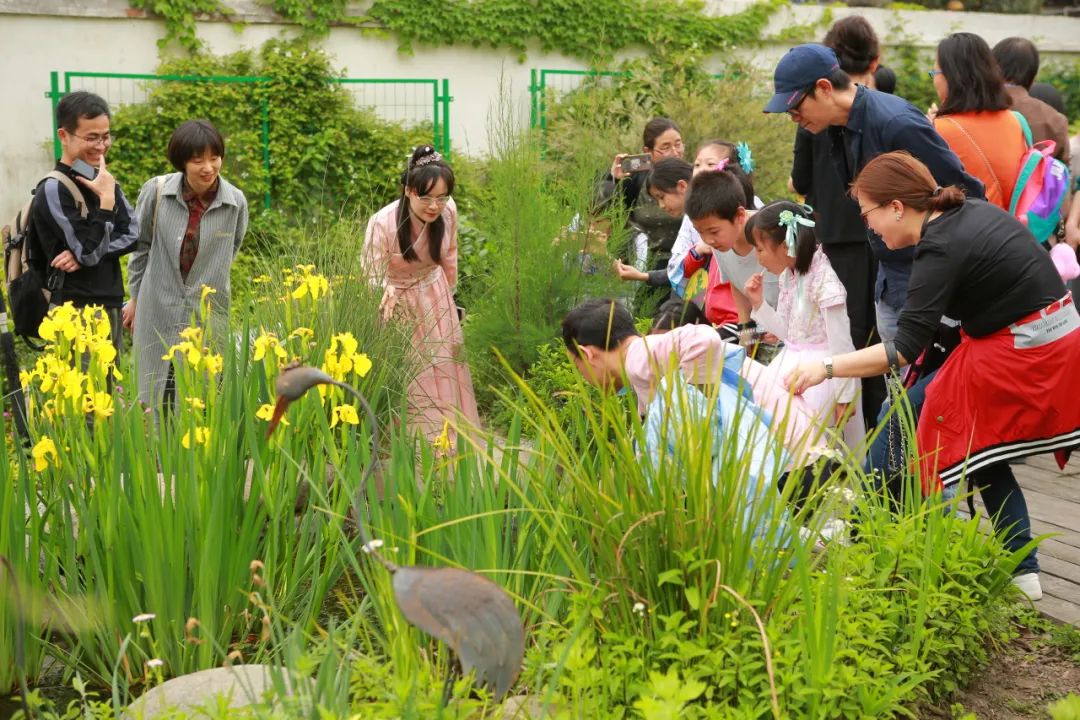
1034	670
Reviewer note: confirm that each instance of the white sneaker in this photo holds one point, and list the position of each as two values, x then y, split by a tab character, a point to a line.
1029	585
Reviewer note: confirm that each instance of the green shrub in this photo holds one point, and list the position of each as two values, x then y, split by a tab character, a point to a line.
326	156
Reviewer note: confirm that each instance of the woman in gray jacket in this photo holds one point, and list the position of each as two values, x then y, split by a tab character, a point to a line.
191	224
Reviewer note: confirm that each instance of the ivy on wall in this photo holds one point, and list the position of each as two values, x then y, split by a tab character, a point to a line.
590	29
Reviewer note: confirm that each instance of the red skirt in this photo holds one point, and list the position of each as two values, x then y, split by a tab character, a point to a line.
1010	394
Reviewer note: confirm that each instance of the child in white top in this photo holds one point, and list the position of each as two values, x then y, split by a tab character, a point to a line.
810	314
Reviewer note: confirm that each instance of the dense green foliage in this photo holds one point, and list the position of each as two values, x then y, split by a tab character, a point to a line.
591	29
327	157
606	115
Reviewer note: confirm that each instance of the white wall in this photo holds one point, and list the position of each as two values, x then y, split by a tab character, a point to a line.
99	36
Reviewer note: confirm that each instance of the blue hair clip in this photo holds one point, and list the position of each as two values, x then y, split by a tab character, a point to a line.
791	221
745	158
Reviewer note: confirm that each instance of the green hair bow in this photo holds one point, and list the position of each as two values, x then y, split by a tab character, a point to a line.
791	221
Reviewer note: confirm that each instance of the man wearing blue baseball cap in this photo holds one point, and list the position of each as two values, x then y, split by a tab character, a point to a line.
862	124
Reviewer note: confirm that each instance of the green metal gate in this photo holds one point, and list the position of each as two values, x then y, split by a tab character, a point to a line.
406	100
557	81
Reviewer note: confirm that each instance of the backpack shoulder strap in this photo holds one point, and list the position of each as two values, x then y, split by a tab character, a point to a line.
1025	127
80	201
157	204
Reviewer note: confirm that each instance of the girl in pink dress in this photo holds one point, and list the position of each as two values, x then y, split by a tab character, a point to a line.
410	249
811	311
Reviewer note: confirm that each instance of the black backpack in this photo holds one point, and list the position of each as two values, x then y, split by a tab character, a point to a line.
31	284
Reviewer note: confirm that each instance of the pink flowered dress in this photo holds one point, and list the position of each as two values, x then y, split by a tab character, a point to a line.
811	318
421	293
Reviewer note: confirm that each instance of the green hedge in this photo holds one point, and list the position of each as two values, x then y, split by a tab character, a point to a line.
328	158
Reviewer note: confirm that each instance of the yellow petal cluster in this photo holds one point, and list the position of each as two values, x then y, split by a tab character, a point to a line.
199	437
344	414
44	454
71	376
268	342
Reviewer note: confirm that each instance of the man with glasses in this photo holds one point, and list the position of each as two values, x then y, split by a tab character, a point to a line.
84	236
862	124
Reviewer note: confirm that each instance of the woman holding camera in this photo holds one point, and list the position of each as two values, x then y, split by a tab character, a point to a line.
661	139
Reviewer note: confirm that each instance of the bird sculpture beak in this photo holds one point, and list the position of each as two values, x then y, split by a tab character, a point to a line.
291	385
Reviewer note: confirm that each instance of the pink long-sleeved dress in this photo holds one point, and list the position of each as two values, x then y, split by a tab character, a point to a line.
421	293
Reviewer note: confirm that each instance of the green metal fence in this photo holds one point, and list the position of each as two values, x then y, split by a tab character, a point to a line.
548	84
404	100
557	82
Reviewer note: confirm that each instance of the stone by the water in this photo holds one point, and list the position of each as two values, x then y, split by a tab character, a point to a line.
242	685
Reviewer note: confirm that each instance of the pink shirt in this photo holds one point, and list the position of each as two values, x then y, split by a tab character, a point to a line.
699	353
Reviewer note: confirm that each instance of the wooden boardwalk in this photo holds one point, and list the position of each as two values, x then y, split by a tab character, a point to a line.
1053	499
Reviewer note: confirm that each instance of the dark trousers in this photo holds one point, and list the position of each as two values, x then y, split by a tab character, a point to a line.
856	266
1005	504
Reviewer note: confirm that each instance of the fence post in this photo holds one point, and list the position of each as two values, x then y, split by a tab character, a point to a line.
446	99
266	149
533	104
54	98
543	100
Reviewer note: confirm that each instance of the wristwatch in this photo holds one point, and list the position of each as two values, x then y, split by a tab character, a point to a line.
827	362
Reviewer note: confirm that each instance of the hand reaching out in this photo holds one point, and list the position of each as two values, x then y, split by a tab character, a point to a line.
628	273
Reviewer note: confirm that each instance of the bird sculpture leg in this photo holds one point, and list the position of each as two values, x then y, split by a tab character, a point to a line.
448	684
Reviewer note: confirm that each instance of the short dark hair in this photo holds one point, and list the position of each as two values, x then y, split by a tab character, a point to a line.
655	128
667	173
766	221
601	322
676	312
80	104
839	79
975	82
855	43
718	192
192	139
885	80
1018	59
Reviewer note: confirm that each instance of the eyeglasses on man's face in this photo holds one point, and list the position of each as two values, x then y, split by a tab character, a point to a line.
103	140
934	73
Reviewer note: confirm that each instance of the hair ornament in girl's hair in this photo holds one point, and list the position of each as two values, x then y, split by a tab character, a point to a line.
722	165
746	159
791	221
432	155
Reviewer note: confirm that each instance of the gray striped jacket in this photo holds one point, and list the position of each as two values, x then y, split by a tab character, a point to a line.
164	302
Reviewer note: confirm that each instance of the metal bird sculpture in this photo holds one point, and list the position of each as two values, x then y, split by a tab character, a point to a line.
471	614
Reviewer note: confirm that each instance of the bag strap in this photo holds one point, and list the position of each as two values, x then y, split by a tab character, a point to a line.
66	181
978	149
1028	137
157	205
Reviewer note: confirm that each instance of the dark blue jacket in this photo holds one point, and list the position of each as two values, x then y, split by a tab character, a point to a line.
880	123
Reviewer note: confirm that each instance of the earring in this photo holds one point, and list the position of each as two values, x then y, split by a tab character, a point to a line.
897	217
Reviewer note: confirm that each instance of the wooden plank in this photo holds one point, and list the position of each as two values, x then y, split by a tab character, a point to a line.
1060	610
1061	589
1063	488
1059	513
1061	569
1048	463
1052	548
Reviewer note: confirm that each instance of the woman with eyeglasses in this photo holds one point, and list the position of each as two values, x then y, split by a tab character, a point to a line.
1009	389
974	117
660	139
410	250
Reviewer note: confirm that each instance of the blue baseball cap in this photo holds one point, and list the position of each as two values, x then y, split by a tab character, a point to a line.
797	71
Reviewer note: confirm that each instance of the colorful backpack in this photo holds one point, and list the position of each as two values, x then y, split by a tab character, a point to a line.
1042	186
